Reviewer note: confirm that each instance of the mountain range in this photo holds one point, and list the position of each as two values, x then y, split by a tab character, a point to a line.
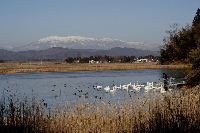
61	47
78	42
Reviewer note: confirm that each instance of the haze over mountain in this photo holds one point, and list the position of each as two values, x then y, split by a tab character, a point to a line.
58	53
78	42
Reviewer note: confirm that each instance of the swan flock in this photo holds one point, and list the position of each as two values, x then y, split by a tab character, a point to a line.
137	87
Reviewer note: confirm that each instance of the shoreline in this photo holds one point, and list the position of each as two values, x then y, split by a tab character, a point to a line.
57	66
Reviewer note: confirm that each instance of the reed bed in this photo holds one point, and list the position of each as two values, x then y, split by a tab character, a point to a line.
47	66
155	112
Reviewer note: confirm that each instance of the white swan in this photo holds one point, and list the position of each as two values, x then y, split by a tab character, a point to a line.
113	89
118	87
125	87
149	86
162	90
107	88
137	88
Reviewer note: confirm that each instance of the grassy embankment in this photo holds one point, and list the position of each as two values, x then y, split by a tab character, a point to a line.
158	113
47	66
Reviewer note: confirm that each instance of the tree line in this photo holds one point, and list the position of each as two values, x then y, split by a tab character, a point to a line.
182	45
110	59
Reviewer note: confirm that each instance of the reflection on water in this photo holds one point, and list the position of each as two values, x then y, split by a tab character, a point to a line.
60	87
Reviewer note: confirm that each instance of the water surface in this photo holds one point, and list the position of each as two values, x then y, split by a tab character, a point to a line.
74	86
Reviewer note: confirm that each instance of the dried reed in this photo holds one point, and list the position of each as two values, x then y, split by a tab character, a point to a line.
178	111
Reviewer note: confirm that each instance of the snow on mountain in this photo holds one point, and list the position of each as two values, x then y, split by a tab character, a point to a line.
78	42
7	47
55	39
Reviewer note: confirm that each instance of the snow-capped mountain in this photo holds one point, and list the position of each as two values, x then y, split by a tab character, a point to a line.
78	42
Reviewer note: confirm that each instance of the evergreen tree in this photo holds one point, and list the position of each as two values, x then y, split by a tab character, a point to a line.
196	18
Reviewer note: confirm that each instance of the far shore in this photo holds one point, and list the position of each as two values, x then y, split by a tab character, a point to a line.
53	66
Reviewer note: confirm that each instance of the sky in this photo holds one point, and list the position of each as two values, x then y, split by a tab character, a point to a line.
25	21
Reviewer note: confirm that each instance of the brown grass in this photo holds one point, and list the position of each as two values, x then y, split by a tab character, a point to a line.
177	111
47	66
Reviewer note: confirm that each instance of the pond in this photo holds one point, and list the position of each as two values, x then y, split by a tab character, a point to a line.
73	86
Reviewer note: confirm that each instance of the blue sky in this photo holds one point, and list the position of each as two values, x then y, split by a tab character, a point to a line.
25	21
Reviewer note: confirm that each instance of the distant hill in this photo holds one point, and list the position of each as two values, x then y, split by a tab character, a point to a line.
58	53
78	42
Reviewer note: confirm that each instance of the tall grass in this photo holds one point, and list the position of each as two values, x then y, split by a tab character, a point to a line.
178	111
